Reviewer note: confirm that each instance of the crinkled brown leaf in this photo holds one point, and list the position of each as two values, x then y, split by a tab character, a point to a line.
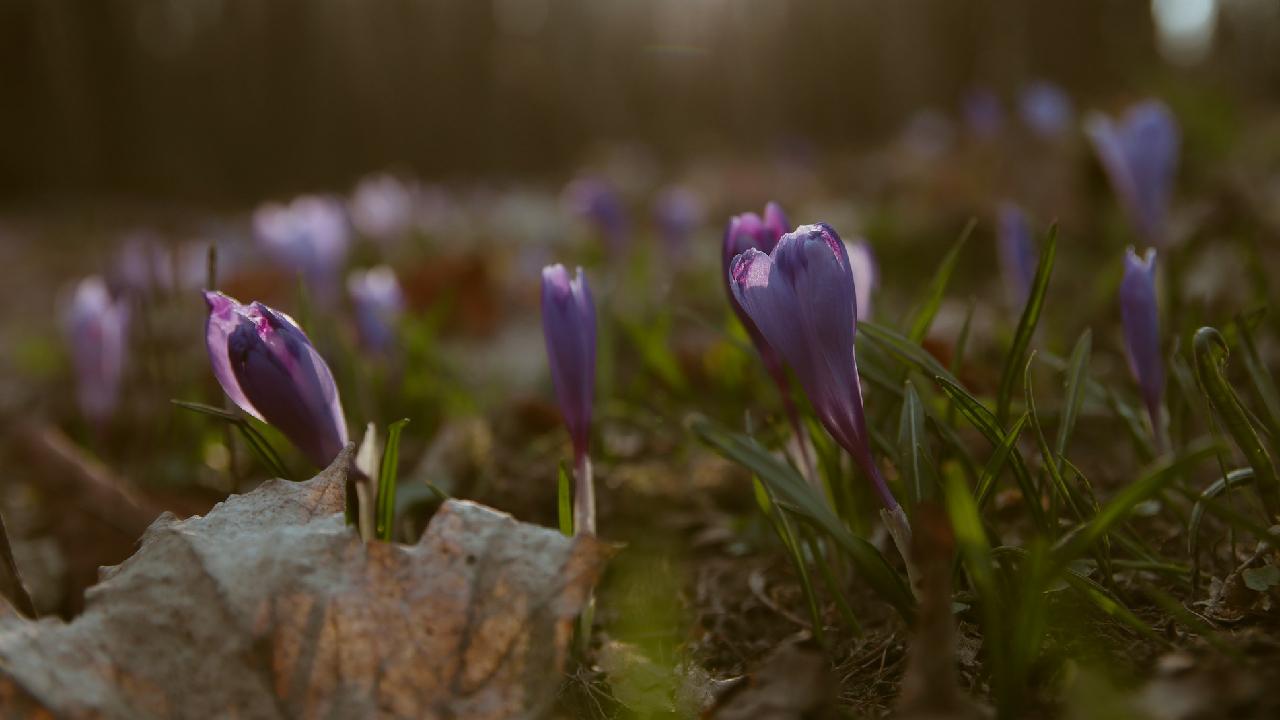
270	607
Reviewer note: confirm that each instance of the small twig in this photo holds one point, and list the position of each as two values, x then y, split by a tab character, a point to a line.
10	579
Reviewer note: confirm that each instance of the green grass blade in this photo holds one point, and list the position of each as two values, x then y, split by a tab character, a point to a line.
902	347
564	501
922	319
1263	384
1016	358
1235	478
254	439
1077	374
386	502
793	492
995	464
1211	358
915	462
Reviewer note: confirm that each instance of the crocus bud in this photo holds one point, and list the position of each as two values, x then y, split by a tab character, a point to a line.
267	366
378	303
677	212
97	330
382	207
595	200
1046	110
1017	253
1141	318
307	236
801	298
1140	156
747	231
866	275
569	326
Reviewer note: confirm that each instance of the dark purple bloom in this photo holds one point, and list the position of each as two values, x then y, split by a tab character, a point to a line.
747	231
97	331
267	366
678	212
1017	253
596	201
801	298
378	303
569	326
1140	155
1046	109
983	114
1141	318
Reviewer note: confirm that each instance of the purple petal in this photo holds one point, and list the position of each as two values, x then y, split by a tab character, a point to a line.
1017	253
569	328
224	317
1141	317
1140	156
97	334
866	275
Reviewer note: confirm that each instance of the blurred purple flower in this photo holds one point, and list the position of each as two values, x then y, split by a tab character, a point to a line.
983	114
97	331
1017	253
866	275
1140	156
801	297
145	263
596	201
309	236
382	207
1046	109
927	135
267	366
378	303
569	327
678	213
744	232
1141	318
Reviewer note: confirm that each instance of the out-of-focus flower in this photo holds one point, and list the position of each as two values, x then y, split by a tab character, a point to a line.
265	363
983	114
801	297
1140	154
1141	318
866	275
145	264
1046	109
382	207
677	212
927	135
1017	253
748	231
596	201
97	332
378	303
308	236
569	327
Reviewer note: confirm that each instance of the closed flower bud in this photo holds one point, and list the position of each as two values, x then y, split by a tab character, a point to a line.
569	327
1141	318
378	303
97	332
750	231
1140	155
1017	253
267	366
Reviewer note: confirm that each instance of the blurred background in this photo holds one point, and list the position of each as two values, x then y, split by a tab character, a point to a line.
223	102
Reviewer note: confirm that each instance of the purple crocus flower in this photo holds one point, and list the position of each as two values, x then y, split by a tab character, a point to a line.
569	327
308	236
801	298
378	303
866	275
1141	318
1017	253
983	114
265	363
677	212
382	207
1140	155
1046	109
596	201
97	331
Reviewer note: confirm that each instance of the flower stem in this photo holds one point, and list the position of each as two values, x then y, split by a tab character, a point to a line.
584	496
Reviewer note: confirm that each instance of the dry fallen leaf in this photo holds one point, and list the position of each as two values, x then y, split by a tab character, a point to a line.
270	607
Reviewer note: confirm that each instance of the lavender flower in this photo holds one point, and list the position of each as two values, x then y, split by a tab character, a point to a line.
596	201
1140	155
267	366
569	327
382	207
308	236
1141	318
1046	109
1017	253
983	114
97	331
866	275
378	303
801	298
678	212
747	231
